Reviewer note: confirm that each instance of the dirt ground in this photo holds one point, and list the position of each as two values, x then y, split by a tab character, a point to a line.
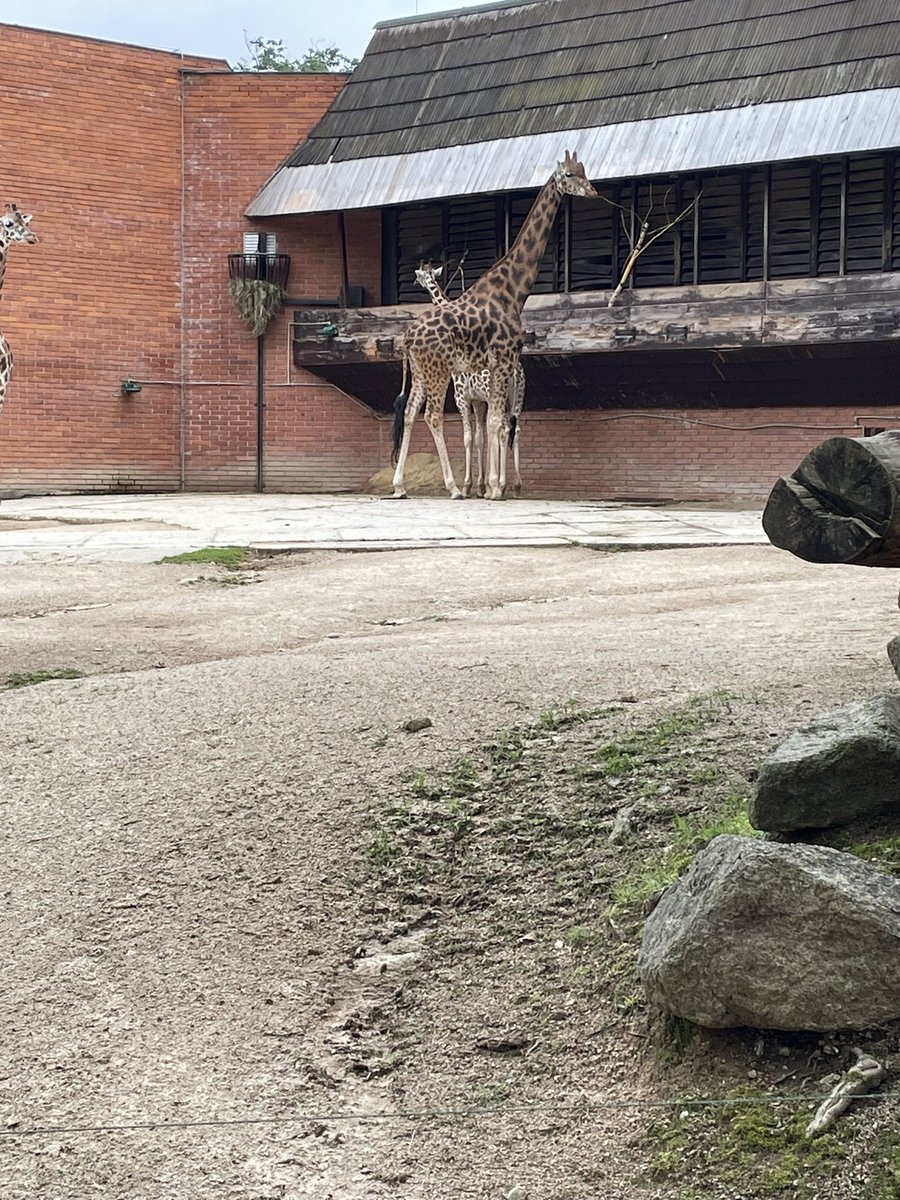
207	926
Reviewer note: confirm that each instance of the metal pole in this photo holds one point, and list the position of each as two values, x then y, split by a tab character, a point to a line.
260	409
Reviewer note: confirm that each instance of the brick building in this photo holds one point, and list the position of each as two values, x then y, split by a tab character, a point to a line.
763	322
137	166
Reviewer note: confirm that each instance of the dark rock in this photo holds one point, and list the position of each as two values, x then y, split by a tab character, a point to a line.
776	937
893	650
417	724
842	766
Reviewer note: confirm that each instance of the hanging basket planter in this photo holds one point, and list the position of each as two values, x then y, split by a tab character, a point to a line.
257	283
257	302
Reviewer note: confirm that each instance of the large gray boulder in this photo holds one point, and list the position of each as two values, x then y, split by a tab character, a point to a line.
776	937
842	766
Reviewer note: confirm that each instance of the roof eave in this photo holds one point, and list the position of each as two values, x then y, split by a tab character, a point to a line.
853	122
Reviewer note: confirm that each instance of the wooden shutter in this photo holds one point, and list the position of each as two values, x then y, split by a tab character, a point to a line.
593	228
472	237
720	228
865	213
420	235
829	218
789	221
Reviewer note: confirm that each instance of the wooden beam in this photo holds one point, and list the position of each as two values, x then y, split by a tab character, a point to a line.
787	312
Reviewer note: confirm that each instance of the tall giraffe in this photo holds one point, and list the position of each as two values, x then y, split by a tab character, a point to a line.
471	393
480	330
13	228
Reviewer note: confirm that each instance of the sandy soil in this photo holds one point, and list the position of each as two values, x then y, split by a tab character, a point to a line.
191	934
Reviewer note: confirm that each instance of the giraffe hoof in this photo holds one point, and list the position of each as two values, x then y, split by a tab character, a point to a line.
457	495
396	496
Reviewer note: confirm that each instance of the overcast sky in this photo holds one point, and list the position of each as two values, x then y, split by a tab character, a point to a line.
216	27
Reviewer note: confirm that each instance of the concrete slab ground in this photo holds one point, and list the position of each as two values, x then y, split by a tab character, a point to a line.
143	528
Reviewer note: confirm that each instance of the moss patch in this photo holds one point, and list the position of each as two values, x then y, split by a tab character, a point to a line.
746	1141
20	679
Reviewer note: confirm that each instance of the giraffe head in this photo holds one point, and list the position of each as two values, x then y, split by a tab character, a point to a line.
571	178
14	226
426	274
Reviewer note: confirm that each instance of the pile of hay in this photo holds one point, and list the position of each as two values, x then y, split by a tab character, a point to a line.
422	477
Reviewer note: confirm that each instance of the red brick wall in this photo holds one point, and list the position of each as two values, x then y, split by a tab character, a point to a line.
137	169
97	127
694	454
237	130
699	454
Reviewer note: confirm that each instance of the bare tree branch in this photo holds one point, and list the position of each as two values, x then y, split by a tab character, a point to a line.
644	238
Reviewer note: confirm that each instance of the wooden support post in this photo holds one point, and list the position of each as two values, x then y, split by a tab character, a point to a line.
842	251
815	204
767	217
887	235
345	270
842	504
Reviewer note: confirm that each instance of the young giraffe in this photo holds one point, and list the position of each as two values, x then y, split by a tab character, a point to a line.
470	393
480	330
13	228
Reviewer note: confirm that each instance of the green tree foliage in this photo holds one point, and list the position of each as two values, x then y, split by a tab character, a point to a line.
269	54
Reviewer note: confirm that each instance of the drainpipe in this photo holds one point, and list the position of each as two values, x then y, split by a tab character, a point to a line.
260	409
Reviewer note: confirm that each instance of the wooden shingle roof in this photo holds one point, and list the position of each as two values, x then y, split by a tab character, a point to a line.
524	68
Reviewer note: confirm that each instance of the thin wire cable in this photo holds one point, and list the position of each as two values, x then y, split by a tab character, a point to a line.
450	1114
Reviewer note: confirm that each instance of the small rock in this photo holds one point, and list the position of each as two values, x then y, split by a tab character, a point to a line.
517	1193
622	827
505	1043
417	724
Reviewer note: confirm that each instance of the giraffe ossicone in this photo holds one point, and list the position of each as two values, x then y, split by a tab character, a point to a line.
480	331
14	227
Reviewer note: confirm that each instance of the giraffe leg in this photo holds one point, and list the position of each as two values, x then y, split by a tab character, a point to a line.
517	486
465	411
504	451
434	419
5	368
494	436
497	426
410	412
480	421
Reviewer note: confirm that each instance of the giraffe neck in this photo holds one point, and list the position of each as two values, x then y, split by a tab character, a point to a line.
4	247
510	280
435	291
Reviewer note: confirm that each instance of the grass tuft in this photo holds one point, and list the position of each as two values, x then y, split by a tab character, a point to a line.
223	556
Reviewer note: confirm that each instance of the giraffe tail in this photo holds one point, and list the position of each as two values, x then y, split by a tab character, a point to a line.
399	420
513	428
